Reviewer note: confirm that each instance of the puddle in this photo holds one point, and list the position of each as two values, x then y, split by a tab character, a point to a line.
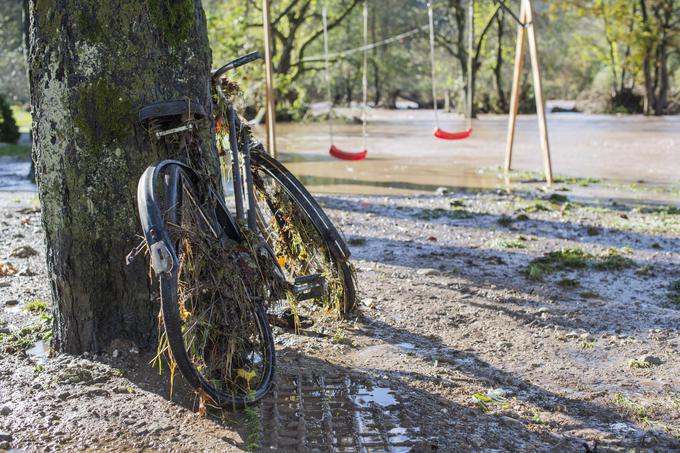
406	347
39	352
378	395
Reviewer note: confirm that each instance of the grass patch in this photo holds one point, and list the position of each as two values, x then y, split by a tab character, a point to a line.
505	221
36	306
529	176
569	283
613	260
674	293
357	241
509	244
583	182
577	259
438	213
585	345
565	259
25	338
589	295
592	231
558	199
534	206
631	407
18	151
637	364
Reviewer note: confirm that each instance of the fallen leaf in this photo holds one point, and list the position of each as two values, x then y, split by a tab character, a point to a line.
7	269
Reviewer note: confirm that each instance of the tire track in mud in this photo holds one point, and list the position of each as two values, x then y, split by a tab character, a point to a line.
334	413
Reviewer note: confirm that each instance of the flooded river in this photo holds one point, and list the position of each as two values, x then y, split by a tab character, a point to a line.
404	157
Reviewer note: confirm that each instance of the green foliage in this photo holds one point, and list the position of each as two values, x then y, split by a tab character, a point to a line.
9	132
23	118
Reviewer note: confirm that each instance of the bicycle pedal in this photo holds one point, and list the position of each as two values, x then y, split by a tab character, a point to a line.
309	287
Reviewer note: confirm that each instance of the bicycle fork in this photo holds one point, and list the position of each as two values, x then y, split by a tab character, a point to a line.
248	198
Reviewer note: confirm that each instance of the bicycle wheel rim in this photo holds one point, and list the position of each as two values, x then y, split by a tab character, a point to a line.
223	346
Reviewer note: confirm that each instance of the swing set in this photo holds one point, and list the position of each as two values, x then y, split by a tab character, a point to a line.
526	32
438	132
334	150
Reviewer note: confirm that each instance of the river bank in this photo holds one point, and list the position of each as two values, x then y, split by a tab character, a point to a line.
528	321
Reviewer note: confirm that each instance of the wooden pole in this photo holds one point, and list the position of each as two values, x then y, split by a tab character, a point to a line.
538	93
515	93
269	81
526	16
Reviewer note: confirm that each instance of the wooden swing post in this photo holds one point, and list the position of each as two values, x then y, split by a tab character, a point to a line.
269	81
526	31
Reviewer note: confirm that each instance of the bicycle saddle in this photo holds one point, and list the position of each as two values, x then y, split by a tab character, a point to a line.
171	108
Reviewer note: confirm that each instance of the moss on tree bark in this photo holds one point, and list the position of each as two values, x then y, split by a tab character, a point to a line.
92	65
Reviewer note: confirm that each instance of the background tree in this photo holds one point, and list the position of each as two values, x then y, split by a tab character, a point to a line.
13	80
92	66
9	132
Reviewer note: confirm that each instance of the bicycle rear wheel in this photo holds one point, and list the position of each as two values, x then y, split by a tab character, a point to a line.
305	241
213	299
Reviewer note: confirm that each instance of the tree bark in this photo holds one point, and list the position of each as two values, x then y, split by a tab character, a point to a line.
92	66
502	105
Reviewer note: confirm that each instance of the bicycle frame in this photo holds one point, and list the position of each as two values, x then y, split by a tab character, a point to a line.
244	191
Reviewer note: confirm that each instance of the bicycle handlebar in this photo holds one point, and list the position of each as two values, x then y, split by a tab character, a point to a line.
236	63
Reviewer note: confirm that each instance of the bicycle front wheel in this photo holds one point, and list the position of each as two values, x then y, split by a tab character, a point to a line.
213	299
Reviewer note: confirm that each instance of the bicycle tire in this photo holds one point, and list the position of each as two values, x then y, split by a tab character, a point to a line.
336	251
181	188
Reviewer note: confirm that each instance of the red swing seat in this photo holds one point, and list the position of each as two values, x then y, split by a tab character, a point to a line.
452	135
347	155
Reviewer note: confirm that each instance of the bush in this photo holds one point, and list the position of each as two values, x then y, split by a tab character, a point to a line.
9	132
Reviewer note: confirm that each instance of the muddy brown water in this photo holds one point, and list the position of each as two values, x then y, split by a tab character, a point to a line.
404	157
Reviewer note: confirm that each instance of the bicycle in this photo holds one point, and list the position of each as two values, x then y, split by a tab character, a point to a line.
218	272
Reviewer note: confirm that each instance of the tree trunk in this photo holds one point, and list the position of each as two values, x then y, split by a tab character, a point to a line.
92	65
502	105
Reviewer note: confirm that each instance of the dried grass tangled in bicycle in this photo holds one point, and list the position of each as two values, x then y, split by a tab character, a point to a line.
218	285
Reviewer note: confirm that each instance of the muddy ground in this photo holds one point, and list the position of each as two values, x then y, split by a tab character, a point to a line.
489	321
